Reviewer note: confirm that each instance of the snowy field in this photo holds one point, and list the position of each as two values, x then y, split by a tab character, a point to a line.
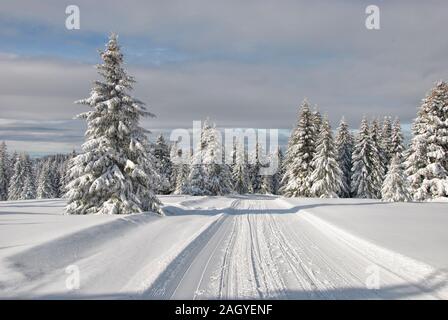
228	247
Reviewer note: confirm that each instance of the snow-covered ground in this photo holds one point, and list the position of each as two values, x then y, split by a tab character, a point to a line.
228	247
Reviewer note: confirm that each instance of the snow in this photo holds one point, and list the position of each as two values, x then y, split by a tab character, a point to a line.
440	199
414	229
115	172
227	247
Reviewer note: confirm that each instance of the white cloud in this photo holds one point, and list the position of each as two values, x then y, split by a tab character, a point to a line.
260	59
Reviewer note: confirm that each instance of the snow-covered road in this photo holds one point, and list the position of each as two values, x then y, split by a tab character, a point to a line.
265	248
214	248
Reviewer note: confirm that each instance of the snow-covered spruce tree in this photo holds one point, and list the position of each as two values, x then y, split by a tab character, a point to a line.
364	157
218	175
379	165
209	175
299	155
196	177
255	165
241	180
386	141
182	179
396	186
174	151
65	175
181	169
344	150
15	185
267	184
29	188
415	165
164	166
278	176
21	183
56	171
57	163
4	179
12	162
233	156
114	173
271	183
326	179
46	187
317	122
427	163
397	139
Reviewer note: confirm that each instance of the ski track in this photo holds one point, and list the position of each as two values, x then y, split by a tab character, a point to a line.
250	247
255	253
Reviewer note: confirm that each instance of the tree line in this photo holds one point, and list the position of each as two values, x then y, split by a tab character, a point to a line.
24	178
120	171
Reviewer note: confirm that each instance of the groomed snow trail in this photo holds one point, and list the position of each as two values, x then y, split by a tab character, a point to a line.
265	248
240	247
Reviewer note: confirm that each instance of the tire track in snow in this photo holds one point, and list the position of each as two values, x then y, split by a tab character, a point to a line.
294	264
169	281
422	280
342	261
227	280
269	283
261	249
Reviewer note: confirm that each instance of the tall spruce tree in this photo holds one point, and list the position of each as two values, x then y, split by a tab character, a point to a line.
218	175
272	183
397	140
379	165
427	163
46	187
196	178
278	175
386	142
182	179
29	187
344	150
240	171
415	165
58	176
233	155
255	166
317	122
181	169
267	184
4	167
114	174
299	155
267	179
65	176
326	178
209	175
21	185
164	166
364	182
396	186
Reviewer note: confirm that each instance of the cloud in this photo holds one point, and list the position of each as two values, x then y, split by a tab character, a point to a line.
242	63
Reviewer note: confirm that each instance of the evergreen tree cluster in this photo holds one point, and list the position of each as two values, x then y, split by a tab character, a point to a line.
318	165
374	163
119	171
23	178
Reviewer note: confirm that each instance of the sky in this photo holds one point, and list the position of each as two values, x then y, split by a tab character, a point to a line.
243	64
